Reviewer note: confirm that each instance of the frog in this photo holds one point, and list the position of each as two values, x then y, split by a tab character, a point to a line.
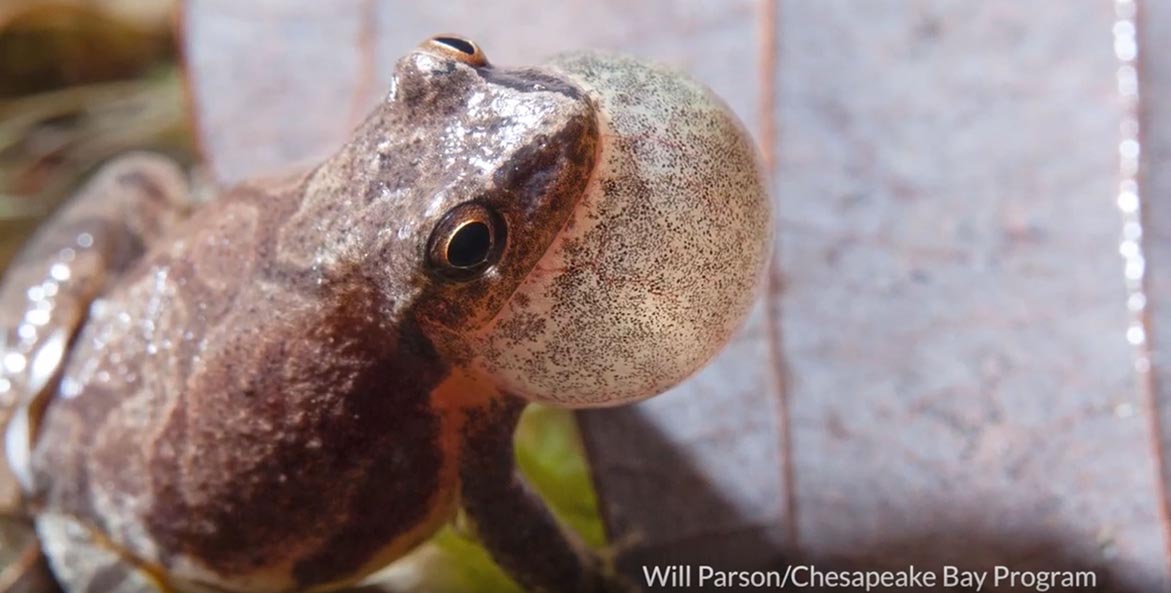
291	385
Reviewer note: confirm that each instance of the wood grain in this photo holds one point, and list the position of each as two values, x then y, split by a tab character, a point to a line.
1155	189
954	308
272	83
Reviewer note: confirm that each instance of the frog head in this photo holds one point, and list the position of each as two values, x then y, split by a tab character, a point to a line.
587	232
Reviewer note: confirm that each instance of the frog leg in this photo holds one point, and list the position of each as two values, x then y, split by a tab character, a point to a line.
46	294
48	289
514	523
86	562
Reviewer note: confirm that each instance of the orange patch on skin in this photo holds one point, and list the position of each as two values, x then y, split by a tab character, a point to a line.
460	391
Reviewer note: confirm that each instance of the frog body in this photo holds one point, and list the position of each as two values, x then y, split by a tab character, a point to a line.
304	378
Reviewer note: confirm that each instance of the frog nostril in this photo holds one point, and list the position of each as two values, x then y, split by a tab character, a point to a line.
470	245
457	44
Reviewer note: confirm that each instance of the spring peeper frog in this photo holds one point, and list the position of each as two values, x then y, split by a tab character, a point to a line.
292	385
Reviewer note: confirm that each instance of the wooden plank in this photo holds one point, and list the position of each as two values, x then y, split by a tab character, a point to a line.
962	391
1155	188
273	84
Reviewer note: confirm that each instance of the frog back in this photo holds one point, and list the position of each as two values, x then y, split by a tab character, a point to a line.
236	420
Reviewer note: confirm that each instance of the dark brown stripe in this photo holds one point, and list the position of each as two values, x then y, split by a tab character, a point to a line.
530	81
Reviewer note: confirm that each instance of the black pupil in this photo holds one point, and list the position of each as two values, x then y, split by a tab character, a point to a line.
457	44
470	245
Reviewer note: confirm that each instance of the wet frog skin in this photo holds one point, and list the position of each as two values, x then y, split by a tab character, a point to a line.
294	384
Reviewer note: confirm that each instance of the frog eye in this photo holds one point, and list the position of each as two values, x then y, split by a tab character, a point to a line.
467	241
458	48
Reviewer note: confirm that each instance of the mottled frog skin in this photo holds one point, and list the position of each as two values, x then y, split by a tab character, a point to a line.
294	384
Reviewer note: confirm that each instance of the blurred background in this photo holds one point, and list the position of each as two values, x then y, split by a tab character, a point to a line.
81	81
945	366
